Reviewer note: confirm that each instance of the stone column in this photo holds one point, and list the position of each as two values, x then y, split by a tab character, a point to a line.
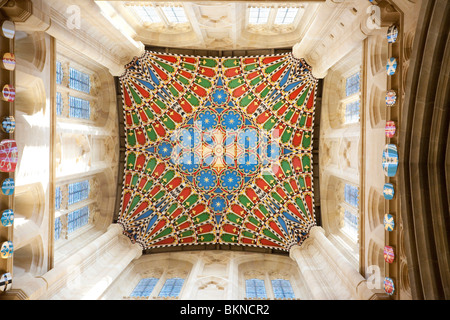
338	28
191	287
67	278
299	254
26	231
105	272
355	282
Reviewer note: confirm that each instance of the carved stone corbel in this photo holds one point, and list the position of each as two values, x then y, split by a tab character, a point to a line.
17	10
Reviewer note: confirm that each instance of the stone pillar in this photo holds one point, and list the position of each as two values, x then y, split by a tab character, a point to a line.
105	272
25	232
338	28
299	254
83	275
355	282
191	287
74	38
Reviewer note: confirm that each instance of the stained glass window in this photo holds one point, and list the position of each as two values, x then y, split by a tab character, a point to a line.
77	219
58	227
352	112
352	84
59	104
59	72
78	191
255	288
79	81
148	14
79	108
286	15
145	287
350	223
282	289
258	15
351	195
57	198
172	287
175	14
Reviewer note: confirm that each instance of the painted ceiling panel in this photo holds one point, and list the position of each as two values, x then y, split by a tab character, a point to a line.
219	151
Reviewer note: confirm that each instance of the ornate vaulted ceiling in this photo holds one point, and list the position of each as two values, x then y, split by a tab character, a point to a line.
218	151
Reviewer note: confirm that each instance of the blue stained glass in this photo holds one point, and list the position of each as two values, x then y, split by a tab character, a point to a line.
351	195
172	287
255	288
59	104
77	219
59	73
78	191
352	112
145	287
58	198
352	84
58	227
79	108
79	81
350	223
282	289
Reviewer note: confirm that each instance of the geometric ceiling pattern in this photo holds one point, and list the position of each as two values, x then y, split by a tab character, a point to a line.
218	150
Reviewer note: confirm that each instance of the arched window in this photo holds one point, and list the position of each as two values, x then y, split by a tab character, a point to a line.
351	212
58	198
175	14
59	72
352	84
282	289
172	287
79	108
258	15
276	18
75	94
79	81
286	15
58	228
255	288
351	195
77	219
149	14
78	191
59	104
145	287
72	207
352	100
352	112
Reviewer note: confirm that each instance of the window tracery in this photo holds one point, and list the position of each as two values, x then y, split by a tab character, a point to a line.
350	212
159	16
268	285
273	19
74	204
255	289
172	288
351	99
144	288
282	289
76	91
